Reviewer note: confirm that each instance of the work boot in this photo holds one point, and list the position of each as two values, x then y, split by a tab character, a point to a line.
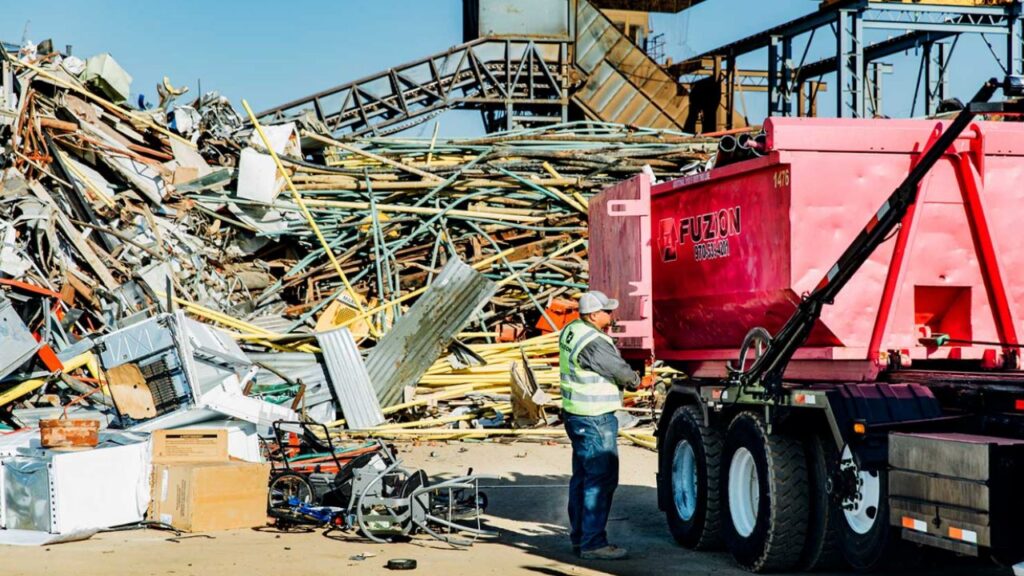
609	552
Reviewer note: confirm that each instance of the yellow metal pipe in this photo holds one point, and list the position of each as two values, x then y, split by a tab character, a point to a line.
305	211
372	156
20	390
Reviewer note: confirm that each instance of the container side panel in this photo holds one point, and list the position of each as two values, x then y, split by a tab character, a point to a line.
721	259
620	259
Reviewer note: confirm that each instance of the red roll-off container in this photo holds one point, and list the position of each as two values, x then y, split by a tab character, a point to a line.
699	261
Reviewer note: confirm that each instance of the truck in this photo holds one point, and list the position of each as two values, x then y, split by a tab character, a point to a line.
842	390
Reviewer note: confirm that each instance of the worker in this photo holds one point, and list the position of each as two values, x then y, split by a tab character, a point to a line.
593	375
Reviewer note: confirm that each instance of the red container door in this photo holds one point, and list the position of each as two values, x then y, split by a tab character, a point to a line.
620	260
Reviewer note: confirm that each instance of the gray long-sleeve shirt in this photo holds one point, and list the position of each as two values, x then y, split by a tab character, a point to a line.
603	357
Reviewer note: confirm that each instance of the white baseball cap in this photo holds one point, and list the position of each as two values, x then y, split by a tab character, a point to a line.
595	301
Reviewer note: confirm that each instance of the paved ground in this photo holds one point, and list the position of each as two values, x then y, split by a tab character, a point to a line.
527	507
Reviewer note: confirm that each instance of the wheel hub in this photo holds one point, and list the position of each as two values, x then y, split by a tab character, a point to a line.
861	493
684	480
744	492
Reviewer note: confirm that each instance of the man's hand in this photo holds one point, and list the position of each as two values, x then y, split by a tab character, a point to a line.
646	382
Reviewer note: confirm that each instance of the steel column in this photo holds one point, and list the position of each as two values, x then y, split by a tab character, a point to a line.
780	76
773	75
934	55
730	92
850	48
874	85
1014	40
718	74
787	77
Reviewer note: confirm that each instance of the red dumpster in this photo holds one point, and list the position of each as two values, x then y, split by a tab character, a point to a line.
701	260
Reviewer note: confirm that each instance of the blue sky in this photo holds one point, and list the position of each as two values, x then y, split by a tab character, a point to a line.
270	52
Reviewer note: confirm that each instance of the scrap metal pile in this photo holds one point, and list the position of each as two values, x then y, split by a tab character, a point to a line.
392	286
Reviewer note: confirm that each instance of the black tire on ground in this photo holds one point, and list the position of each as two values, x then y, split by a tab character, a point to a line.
702	531
875	549
822	550
779	532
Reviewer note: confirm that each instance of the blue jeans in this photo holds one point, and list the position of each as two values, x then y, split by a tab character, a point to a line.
595	475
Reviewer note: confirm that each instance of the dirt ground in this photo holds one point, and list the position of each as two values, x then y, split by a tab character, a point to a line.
527	507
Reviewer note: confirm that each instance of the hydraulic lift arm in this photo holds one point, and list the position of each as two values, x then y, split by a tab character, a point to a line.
768	367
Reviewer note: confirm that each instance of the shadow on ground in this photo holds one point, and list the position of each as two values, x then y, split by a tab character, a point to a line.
539	502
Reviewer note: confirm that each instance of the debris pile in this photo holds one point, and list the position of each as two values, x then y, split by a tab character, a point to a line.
166	265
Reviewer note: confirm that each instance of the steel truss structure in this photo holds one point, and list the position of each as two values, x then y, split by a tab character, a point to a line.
521	81
935	29
589	70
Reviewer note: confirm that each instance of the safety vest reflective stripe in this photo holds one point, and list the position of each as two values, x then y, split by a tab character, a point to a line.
570	394
584	392
573	372
577	379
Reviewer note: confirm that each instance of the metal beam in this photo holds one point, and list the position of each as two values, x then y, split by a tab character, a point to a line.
934	62
822	17
970	19
1015	40
849	34
510	75
873	52
666	6
780	56
952	28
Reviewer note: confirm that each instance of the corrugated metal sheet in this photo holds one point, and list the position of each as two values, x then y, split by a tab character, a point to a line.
296	365
349	380
420	337
623	84
277	324
299	366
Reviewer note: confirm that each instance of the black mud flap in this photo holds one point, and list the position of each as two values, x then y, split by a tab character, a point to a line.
881	408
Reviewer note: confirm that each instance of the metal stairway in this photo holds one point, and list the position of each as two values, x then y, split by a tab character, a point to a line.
512	81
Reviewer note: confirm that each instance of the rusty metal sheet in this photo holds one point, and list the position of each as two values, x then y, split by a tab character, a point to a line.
349	380
420	336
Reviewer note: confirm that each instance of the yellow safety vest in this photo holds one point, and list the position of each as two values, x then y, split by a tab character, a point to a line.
584	393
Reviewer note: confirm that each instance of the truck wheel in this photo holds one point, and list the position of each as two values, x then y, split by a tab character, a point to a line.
765	508
689	462
822	550
865	535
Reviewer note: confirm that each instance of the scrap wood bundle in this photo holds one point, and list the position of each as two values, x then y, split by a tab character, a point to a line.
450	264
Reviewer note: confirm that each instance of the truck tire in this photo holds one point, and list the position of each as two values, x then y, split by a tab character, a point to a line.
765	496
866	538
689	460
822	550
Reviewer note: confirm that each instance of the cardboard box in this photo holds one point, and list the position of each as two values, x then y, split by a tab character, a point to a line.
243	439
198	488
205	496
190	446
